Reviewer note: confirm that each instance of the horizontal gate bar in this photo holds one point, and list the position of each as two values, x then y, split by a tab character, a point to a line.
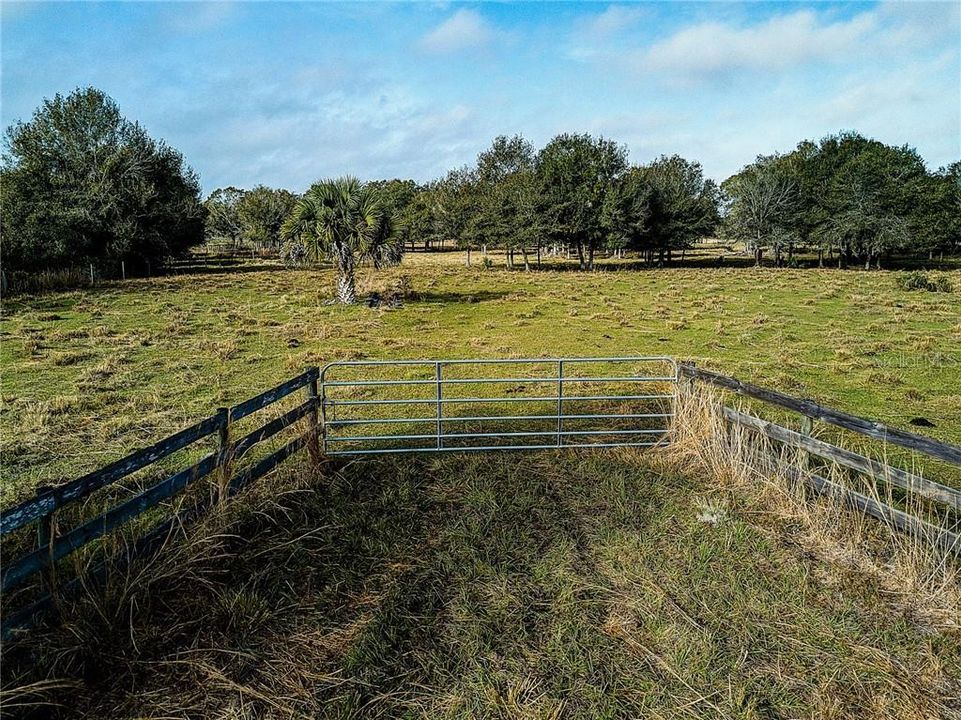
485	381
482	448
505	361
546	398
477	418
465	436
543	375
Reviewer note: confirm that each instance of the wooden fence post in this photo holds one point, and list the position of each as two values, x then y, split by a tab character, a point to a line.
46	532
313	432
807	427
224	459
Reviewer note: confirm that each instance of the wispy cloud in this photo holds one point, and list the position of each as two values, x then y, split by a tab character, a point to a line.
615	19
198	17
710	48
285	93
463	30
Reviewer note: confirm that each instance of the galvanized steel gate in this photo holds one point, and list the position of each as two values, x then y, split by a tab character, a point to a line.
378	407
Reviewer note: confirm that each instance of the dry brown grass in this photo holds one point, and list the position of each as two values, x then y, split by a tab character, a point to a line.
756	470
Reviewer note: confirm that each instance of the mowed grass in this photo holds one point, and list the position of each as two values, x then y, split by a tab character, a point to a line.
89	375
562	585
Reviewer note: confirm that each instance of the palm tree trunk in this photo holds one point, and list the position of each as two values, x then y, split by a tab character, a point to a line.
346	291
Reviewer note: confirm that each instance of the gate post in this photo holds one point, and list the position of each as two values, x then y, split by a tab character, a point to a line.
313	443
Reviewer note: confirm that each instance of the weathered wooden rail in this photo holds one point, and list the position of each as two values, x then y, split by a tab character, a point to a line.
950	498
52	546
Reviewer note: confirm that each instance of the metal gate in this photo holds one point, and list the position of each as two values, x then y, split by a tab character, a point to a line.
403	406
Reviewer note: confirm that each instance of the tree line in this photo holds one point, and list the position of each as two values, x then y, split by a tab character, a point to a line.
848	198
578	192
82	184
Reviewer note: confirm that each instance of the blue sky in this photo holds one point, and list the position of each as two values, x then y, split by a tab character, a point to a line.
284	93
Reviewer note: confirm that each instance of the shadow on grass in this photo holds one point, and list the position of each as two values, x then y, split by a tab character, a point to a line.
476	296
542	585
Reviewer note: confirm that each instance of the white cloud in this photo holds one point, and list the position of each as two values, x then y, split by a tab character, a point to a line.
784	41
372	131
463	30
204	16
593	34
615	19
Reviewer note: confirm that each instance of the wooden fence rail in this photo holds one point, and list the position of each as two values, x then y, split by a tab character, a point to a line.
933	448
909	482
52	546
41	509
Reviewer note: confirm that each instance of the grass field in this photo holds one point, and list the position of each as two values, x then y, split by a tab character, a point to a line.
91	374
569	585
575	584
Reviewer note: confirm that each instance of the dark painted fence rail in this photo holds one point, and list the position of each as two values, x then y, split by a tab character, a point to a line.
52	546
944	537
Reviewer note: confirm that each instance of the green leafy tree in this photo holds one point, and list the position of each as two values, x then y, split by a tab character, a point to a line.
223	215
506	214
345	220
684	206
453	208
83	184
573	176
872	198
261	213
762	203
627	210
940	223
397	197
419	217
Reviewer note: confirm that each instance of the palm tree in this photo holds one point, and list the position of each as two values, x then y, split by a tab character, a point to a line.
346	221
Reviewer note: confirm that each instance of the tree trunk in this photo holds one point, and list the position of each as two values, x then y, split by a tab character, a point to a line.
580	255
527	265
346	291
590	258
468	256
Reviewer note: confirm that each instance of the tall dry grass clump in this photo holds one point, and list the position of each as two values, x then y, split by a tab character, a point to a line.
773	482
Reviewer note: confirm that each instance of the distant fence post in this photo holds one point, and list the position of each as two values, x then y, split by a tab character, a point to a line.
224	459
313	432
91	274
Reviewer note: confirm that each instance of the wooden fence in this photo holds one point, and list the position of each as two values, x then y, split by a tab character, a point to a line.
52	546
942	495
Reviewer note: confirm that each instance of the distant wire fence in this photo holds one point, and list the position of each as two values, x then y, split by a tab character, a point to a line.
215	258
450	411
